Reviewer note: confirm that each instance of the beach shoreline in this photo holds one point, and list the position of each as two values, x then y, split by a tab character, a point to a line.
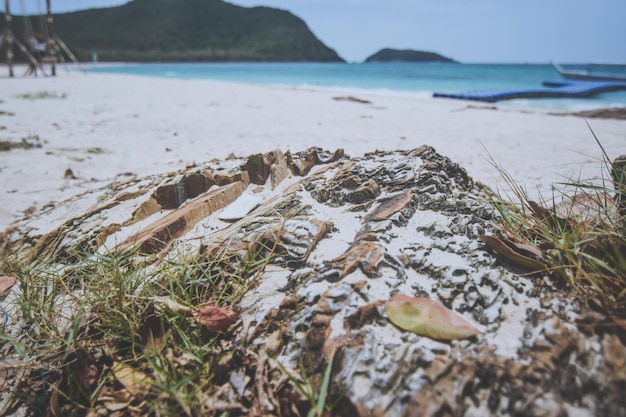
91	130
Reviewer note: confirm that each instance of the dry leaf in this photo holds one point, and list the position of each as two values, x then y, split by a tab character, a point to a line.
172	305
6	282
428	318
132	379
216	319
111	401
542	213
516	253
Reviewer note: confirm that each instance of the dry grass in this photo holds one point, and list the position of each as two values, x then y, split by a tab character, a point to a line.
108	333
581	239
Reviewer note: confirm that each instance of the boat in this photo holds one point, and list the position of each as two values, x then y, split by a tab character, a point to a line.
586	75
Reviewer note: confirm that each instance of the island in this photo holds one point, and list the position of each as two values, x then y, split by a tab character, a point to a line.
406	55
188	31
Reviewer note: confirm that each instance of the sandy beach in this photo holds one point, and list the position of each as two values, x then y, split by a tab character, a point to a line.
93	129
380	256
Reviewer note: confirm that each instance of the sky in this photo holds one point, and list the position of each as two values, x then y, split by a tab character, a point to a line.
489	31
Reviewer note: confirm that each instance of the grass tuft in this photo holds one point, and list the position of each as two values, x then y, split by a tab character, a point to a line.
581	239
109	332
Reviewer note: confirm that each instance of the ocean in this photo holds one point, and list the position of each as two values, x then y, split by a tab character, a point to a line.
416	78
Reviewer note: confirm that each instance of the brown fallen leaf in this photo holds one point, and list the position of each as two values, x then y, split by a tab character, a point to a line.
6	282
135	381
428	318
551	217
517	253
216	319
111	401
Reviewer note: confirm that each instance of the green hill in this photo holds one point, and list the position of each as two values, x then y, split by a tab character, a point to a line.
188	30
406	55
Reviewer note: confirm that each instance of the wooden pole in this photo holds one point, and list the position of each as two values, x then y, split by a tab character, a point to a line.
52	45
8	36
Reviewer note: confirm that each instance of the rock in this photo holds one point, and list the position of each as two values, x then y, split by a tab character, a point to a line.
391	205
157	236
181	188
197	183
301	164
341	236
172	195
240	208
258	168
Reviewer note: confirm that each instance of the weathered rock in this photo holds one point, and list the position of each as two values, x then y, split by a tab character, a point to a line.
258	167
345	239
391	205
197	183
161	233
182	187
301	164
240	208
172	195
229	177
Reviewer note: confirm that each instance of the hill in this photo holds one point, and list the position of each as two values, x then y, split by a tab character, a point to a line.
188	30
406	55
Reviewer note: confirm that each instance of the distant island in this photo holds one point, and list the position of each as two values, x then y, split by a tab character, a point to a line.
196	31
406	55
186	31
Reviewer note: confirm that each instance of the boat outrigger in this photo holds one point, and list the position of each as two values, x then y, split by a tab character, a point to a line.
586	75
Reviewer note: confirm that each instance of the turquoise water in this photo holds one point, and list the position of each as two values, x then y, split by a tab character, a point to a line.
400	77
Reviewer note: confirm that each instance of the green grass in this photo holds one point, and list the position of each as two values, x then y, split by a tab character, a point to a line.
318	397
120	332
580	240
111	332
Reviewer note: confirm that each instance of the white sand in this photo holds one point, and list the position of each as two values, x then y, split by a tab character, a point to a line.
151	125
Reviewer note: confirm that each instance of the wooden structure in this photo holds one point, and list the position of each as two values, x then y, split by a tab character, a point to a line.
53	45
7	39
